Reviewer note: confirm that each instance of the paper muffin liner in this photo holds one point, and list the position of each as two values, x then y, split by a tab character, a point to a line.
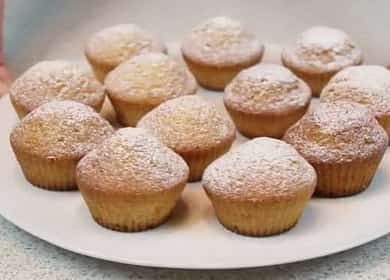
20	111
128	114
98	69
55	175
198	160
257	125
343	179
216	78
260	218
129	213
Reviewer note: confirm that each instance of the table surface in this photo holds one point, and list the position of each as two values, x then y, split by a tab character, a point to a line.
23	256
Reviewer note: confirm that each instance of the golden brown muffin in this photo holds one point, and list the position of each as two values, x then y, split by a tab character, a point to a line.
319	53
217	49
259	188
366	84
138	85
193	128
49	142
55	80
132	181
113	45
265	100
344	143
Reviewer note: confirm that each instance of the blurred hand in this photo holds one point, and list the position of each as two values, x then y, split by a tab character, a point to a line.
5	80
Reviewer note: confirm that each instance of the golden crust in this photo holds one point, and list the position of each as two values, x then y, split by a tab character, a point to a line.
140	84
337	132
111	46
131	162
189	123
60	130
263	170
55	80
221	42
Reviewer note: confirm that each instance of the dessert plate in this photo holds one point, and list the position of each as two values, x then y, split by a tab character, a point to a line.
192	238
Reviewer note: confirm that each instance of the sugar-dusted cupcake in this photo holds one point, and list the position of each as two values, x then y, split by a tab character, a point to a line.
344	143
138	85
319	53
113	45
131	182
193	128
49	142
55	80
217	49
366	84
259	188
266	99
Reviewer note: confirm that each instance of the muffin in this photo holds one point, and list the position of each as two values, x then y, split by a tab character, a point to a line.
138	85
265	100
111	46
217	49
259	188
344	143
366	84
55	80
49	142
131	182
319	53
193	128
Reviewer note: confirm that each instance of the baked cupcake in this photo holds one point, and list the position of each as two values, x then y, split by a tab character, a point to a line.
259	188
193	128
344	143
49	142
217	49
366	84
111	46
265	100
132	181
138	85
55	80
319	53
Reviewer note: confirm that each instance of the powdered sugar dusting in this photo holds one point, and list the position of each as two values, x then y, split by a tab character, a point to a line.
267	87
60	129
56	80
222	41
337	132
134	161
115	44
150	78
366	84
188	122
261	169
323	49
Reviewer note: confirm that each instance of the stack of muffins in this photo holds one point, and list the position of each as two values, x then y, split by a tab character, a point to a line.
131	178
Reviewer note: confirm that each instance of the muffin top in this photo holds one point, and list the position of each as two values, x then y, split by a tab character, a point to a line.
60	130
337	132
133	161
263	169
150	78
322	49
118	43
188	123
266	88
56	80
365	84
222	41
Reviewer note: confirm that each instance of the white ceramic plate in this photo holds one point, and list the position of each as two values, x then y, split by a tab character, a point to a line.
192	238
